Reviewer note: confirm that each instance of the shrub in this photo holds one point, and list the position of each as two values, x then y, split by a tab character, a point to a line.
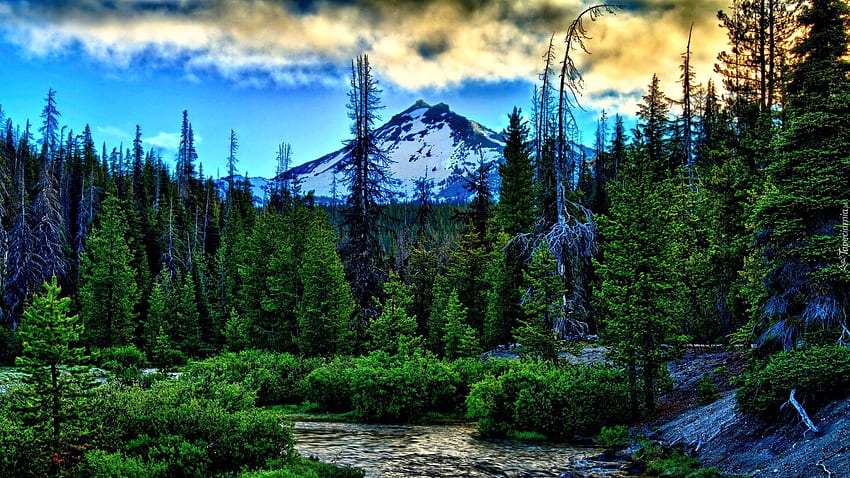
306	468
819	374
388	388
708	392
558	401
276	378
128	356
329	386
17	445
100	463
126	362
404	389
613	438
191	427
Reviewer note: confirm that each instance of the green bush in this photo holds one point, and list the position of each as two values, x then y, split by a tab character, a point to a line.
99	463
126	362
708	392
403	390
675	464
306	468
192	428
613	438
329	386
277	378
124	356
389	388
558	401
819	374
17	445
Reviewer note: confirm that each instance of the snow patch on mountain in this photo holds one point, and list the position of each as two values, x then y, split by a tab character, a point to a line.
422	141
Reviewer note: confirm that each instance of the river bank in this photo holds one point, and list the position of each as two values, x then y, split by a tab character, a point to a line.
739	444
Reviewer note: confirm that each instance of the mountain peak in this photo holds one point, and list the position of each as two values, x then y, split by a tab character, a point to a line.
439	108
423	140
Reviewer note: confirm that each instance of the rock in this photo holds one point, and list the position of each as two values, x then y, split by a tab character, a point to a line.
628	452
583	441
607	455
634	468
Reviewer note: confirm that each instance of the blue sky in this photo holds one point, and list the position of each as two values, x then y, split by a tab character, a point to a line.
276	70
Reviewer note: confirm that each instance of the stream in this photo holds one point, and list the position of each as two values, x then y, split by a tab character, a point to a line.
440	451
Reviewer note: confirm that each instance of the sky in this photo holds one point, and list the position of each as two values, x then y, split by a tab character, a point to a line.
277	70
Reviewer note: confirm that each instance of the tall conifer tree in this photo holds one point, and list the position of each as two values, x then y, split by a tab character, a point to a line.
800	219
368	178
108	290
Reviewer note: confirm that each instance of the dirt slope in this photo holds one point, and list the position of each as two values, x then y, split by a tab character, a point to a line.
740	444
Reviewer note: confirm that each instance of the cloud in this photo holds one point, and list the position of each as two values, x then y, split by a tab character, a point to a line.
164	141
412	43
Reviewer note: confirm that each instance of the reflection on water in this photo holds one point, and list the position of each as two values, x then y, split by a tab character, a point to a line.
431	451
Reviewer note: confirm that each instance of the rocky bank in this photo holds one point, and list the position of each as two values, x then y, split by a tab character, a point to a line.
739	444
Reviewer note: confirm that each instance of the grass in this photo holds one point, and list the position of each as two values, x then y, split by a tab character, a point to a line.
526	437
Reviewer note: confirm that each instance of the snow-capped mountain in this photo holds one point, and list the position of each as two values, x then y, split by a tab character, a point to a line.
421	141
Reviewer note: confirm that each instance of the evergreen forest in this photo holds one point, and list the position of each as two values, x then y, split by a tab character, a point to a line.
720	219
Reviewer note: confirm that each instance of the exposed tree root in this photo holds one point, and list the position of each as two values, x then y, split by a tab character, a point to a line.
803	415
822	465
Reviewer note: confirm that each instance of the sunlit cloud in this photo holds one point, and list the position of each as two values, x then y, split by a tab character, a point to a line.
164	141
412	44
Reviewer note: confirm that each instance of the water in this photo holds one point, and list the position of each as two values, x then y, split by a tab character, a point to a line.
438	451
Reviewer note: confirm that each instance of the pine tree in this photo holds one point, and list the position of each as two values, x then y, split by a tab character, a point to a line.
50	356
326	306
467	274
186	157
760	35
460	339
186	332
654	129
544	308
21	278
638	294
108	291
158	318
799	220
516	211
505	276
367	176
49	229
394	331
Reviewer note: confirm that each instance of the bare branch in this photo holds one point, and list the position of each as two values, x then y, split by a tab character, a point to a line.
803	415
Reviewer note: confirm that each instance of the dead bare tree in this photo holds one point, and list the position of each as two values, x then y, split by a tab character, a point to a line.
571	237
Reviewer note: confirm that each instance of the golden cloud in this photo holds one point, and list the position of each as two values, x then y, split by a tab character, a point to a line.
413	44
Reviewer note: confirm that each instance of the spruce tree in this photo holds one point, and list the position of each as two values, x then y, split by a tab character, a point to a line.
460	339
638	294
515	214
48	401
367	176
544	309
800	220
108	291
516	211
394	330
326	306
